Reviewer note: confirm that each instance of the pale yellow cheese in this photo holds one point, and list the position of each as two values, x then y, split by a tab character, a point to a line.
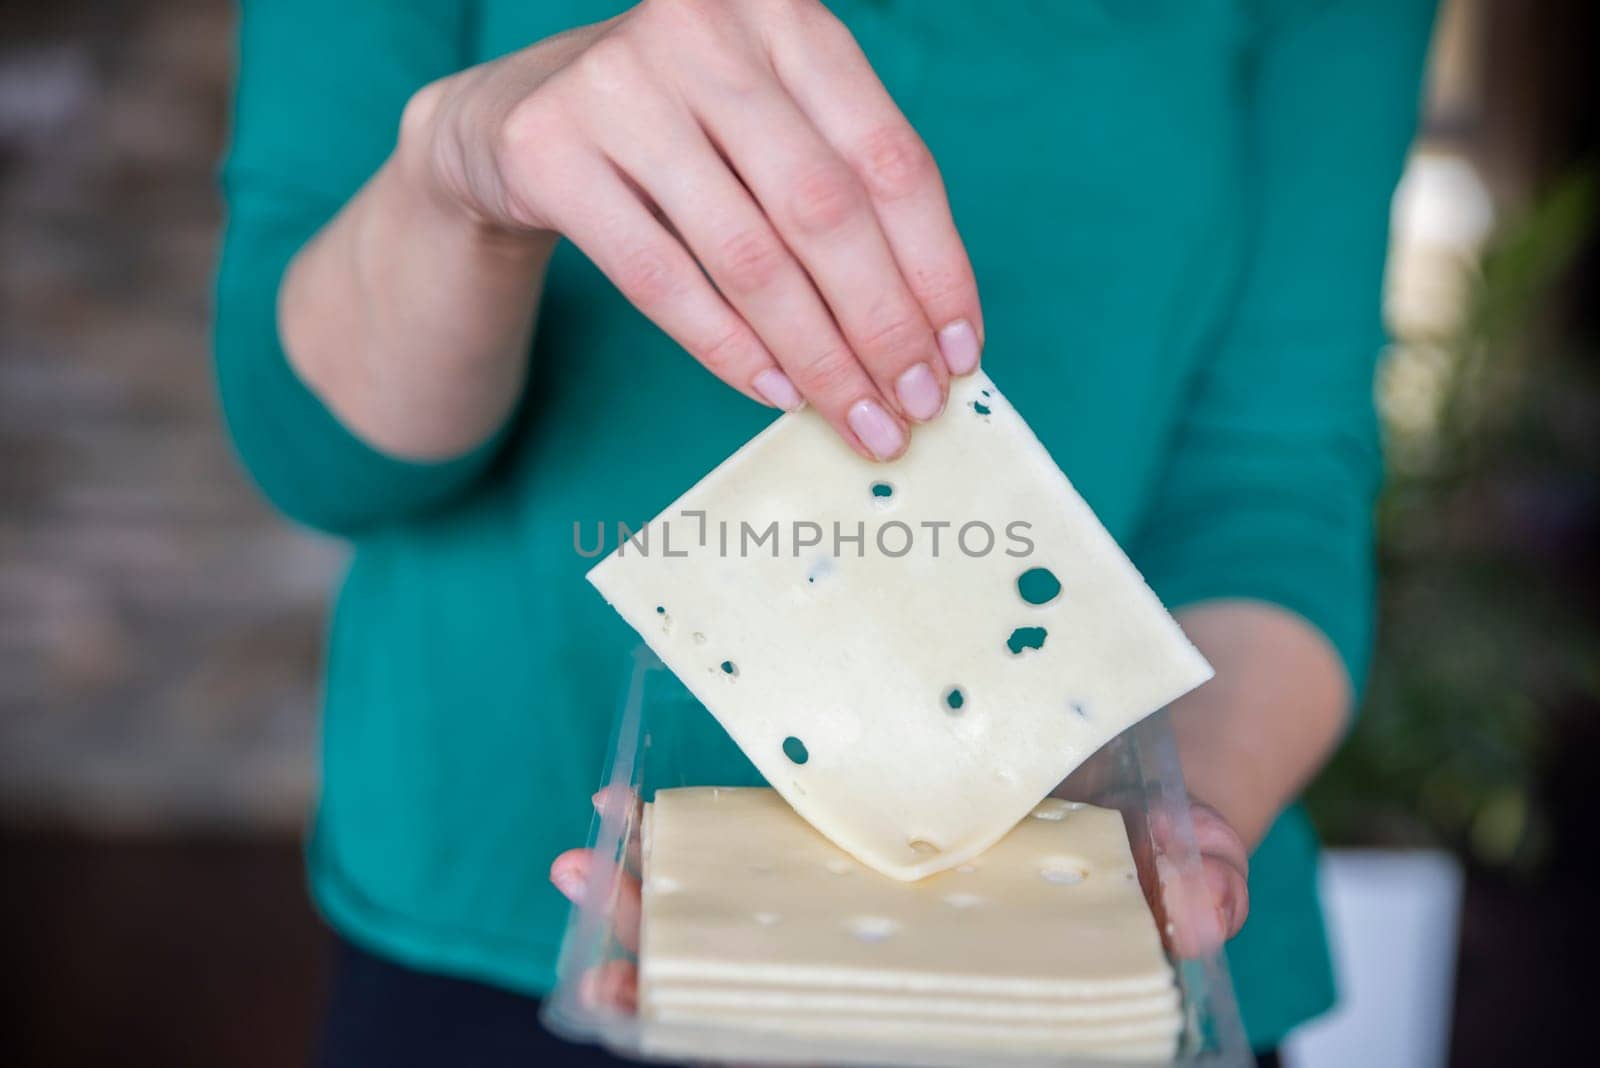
902	1047
739	890
814	1000
1011	1035
854	646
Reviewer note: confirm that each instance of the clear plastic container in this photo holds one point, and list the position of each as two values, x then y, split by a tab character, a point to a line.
664	738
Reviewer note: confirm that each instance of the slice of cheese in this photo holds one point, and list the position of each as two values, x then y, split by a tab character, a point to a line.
1013	1035
868	634
740	890
724	1044
813	1000
707	1040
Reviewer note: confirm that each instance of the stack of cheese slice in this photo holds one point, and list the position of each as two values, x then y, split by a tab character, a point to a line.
913	655
754	923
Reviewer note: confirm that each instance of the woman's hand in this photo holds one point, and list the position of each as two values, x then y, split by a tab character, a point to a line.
615	982
741	175
1201	906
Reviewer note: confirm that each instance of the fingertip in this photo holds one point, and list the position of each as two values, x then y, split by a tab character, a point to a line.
1205	928
961	346
609	797
878	432
1191	905
920	392
778	390
1238	906
1230	892
571	858
569	872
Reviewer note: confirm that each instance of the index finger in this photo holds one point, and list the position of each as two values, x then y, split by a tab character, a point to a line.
832	81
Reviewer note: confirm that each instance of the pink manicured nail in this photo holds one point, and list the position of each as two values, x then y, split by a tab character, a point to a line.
919	392
776	389
958	344
877	429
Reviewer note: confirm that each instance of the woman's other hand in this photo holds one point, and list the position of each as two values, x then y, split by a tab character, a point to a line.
1198	906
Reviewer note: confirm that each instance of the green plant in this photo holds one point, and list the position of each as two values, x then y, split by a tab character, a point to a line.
1492	495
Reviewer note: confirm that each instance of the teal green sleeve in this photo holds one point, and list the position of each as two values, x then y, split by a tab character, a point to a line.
1276	463
321	87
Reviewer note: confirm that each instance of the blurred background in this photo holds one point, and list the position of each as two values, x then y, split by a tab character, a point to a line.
159	628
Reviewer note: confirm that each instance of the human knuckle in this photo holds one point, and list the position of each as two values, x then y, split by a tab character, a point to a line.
750	260
611	66
942	285
727	350
521	159
420	108
824	198
895	333
685	14
528	125
806	14
730	71
895	162
646	276
830	372
703	40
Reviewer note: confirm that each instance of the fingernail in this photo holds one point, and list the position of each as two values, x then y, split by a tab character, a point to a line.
877	429
570	884
1231	913
776	389
958	344
919	393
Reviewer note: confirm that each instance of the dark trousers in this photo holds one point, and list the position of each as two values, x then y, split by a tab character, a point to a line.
381	1015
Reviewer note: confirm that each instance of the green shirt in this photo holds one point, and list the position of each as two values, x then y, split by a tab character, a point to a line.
1177	211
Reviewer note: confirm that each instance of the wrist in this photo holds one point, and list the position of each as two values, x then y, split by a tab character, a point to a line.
1252	737
1227	780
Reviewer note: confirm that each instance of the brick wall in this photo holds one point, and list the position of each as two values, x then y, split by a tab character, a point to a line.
159	628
